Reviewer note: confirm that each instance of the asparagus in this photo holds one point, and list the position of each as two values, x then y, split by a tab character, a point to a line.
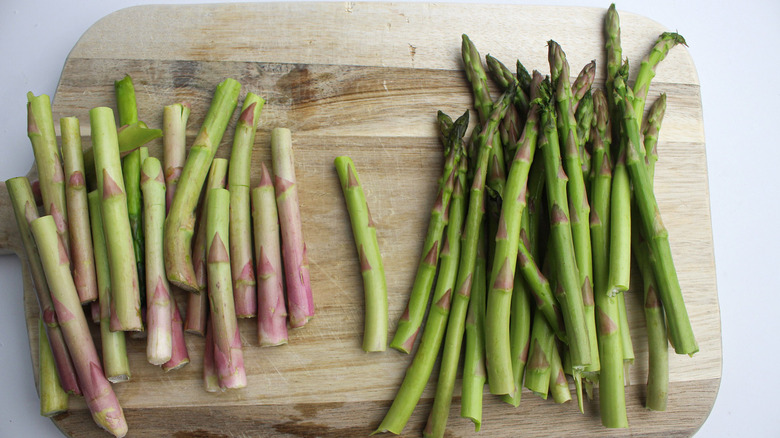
228	353
124	275
271	308
519	336
126	106
538	369
364	232
210	376
582	84
114	347
179	354
40	130
100	397
505	78
474	361
78	212
159	298
242	263
408	325
131	172
559	386
300	304
180	221
620	226
650	128
174	146
54	399
23	202
584	117
646	72
625	335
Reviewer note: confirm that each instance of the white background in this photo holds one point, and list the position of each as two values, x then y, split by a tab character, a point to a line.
734	46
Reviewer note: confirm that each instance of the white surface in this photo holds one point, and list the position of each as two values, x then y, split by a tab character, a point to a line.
739	114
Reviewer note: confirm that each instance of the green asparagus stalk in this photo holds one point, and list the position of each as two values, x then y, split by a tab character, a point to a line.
300	303
271	308
647	68
40	130
559	386
126	106
100	397
612	395
613	46
505	78
179	225
538	369
582	84
625	335
474	366
25	211
650	128
174	146
520	337
523	77
179	354
409	323
364	232
228	353
114	345
131	172
584	117
78	212
54	399
124	275
620	227
210	376
241	258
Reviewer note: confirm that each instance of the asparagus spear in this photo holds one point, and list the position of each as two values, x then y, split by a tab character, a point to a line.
100	397
582	84
364	232
54	399
646	72
300	304
124	275
538	369
474	368
126	106
559	386
210	376
131	172
174	146
519	335
271	308
114	347
179	354
78	212
180	221
23	202
242	264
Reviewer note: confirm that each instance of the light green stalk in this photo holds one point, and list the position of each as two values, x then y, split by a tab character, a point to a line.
174	146
474	371
519	335
538	369
54	399
559	386
646	72
131	172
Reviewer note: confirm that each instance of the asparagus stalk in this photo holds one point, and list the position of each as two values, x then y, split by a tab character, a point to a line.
131	172
126	106
538	369
620	226
78	212
474	366
650	128
159	299
408	325
242	263
364	232
646	72
228	353
100	397
179	224
210	376
271	308
40	130
582	84
25	211
179	354
54	399
300	304
124	275
114	345
584	117
174	146
519	336
559	386
625	336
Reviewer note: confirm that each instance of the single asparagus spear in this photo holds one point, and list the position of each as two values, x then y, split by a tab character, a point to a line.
300	303
650	128
179	354
40	130
210	376
625	336
364	232
174	146
242	263
408	325
584	117
114	345
620	226
538	369
582	84
126	106
474	368
505	78
228	353
131	172
271	308
179	224
25	211
559	386
159	299
100	397
519	336
646	72
54	399
78	213
124	275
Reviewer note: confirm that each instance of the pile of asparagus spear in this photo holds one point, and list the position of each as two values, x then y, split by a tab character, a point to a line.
539	213
122	231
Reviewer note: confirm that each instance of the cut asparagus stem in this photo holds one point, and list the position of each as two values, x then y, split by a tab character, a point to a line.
114	345
559	386
179	225
174	146
159	299
126	106
25	211
538	370
241	260
100	397
78	212
271	308
54	399
179	354
364	232
228	353
210	376
474	371
40	130
300	304
131	172
125	295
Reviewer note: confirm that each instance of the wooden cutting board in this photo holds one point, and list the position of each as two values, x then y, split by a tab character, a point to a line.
366	80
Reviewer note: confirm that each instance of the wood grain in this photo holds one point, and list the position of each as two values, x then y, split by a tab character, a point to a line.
366	80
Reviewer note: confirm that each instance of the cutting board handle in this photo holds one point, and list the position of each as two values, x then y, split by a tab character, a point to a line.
9	236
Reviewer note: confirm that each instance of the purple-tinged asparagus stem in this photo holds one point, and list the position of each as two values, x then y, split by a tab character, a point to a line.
210	377
228	353
179	354
54	399
174	146
100	397
271	308
25	211
40	130
300	303
158	296
81	252
241	260
125	298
